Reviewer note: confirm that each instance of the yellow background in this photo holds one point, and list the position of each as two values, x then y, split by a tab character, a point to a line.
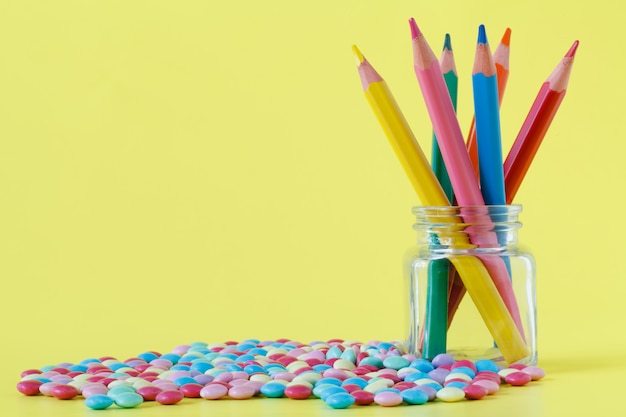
173	171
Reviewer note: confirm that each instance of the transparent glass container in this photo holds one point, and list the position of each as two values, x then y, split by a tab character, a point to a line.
472	290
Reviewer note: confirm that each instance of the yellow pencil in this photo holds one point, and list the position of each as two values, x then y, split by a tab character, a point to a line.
475	276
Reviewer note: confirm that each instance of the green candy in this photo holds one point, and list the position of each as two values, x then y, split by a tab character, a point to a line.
128	400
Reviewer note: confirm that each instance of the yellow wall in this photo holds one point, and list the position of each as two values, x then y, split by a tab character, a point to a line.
195	170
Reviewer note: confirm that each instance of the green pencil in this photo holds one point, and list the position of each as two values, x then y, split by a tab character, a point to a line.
434	338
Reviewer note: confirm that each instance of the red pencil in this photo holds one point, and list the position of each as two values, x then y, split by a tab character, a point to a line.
536	124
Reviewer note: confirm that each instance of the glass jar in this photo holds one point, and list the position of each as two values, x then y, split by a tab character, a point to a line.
472	291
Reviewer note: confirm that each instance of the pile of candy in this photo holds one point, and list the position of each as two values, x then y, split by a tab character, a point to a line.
341	373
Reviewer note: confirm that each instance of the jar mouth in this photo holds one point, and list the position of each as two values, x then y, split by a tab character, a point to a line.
429	216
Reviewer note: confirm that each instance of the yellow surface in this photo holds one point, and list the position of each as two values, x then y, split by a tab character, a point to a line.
181	171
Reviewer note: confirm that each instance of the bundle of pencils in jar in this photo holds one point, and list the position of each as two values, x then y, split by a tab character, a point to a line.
466	221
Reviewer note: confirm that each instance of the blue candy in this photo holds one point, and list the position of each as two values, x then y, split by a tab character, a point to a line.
327	392
99	402
485	365
414	396
422	365
273	390
340	400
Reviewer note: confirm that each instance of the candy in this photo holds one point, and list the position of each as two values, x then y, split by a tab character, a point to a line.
388	399
128	400
213	391
169	397
450	394
99	402
149	393
535	372
29	387
362	397
273	390
340	400
341	373
518	378
474	392
241	392
414	396
298	392
64	392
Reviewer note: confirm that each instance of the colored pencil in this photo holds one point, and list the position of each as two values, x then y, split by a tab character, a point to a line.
536	125
501	60
400	136
487	114
448	68
433	338
457	161
473	272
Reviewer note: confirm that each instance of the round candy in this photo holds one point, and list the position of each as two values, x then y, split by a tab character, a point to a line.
169	397
30	387
46	388
298	392
485	365
128	399
149	393
535	372
443	359
388	399
450	394
518	378
414	396
362	397
491	386
241	392
273	390
191	390
64	392
340	400
99	402
327	392
396	362
213	391
474	392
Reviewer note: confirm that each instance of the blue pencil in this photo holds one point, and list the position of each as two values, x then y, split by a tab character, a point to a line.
487	113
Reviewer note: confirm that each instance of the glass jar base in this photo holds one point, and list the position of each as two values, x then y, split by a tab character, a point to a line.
473	354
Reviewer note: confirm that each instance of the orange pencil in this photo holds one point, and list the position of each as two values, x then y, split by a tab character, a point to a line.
501	59
536	125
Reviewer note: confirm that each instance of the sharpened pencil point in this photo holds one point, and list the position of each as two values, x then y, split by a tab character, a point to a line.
482	34
506	38
415	31
572	50
358	55
447	44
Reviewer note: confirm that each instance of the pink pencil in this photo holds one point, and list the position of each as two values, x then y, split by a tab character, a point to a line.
457	160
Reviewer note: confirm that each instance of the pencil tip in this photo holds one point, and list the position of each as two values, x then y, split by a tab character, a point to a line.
482	34
357	53
572	50
415	31
447	44
506	38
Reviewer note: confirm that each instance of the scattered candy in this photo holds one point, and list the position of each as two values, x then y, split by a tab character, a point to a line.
64	392
128	400
341	373
388	398
450	394
340	400
99	402
169	397
29	387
